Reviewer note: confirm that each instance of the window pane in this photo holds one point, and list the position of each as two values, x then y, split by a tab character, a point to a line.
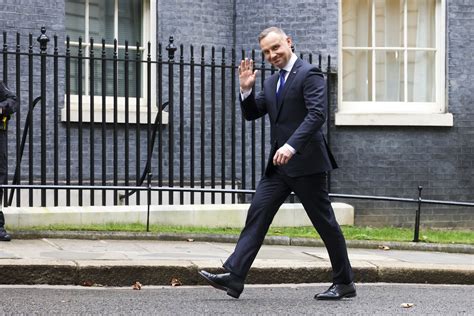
101	26
98	65
132	73
130	21
421	23
389	23
75	22
421	76
109	70
389	76
74	68
356	23
101	20
357	68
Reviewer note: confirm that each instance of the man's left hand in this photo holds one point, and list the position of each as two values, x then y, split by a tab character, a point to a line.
282	156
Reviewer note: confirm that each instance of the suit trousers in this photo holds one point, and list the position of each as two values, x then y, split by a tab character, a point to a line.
271	192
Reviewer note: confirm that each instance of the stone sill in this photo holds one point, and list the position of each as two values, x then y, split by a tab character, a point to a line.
394	119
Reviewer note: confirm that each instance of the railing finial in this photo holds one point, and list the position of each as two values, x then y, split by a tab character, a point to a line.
171	48
43	39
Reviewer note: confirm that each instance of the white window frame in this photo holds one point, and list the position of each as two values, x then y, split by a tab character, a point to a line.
148	35
402	113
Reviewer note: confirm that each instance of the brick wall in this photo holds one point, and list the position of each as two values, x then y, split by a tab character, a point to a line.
206	22
27	16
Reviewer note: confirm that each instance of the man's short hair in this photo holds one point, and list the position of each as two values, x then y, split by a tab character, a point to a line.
269	30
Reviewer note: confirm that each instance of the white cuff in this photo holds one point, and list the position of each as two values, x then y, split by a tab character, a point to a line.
245	94
287	146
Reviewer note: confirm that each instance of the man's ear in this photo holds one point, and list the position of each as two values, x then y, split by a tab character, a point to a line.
289	41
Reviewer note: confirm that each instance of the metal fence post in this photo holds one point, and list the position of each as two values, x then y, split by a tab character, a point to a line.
417	218
19	111
56	118
43	40
171	48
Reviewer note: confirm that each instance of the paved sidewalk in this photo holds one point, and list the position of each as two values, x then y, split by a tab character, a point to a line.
121	262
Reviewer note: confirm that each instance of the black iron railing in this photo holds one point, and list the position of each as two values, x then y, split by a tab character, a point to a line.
79	99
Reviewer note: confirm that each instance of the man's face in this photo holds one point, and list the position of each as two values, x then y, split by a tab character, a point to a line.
276	49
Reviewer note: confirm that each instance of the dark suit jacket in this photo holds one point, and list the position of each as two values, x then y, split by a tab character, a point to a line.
297	119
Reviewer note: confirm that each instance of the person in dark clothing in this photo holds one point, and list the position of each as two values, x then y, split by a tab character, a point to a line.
8	105
295	101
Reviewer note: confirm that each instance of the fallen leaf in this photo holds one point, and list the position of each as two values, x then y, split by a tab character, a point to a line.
190	239
87	283
407	305
383	247
175	282
137	286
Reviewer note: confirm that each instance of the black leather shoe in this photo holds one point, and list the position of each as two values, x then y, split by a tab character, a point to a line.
337	291
4	236
225	281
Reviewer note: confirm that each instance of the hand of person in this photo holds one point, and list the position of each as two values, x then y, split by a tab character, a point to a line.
282	156
247	75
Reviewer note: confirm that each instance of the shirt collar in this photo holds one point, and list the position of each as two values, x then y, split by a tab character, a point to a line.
290	63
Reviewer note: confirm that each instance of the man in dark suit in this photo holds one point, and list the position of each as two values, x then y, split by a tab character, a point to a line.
295	100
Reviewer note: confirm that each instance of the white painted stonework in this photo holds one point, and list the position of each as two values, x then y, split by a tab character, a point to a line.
208	215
